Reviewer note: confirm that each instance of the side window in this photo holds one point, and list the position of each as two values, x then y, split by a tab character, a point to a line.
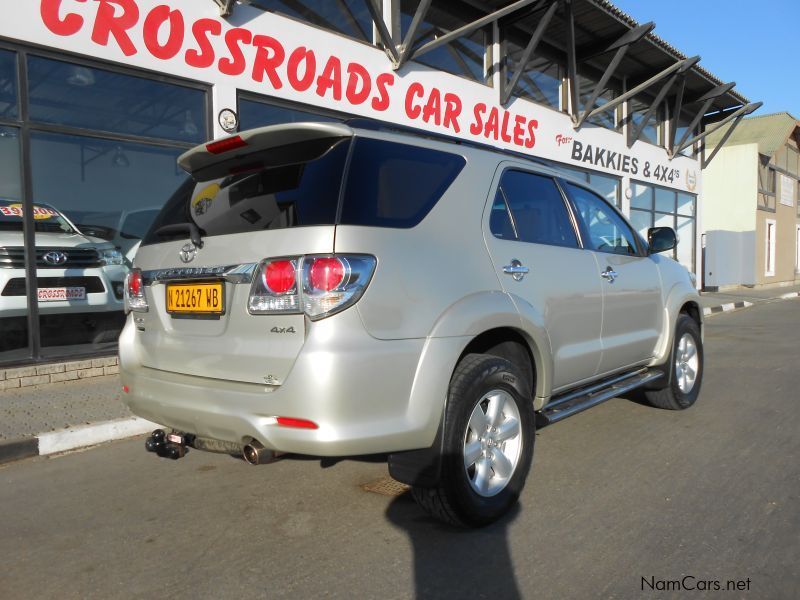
529	208
607	231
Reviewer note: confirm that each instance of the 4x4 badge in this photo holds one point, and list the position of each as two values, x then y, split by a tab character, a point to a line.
187	253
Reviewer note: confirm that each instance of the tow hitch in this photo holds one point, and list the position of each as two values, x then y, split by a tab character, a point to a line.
172	445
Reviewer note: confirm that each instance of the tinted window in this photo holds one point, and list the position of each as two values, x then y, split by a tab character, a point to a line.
277	197
70	94
607	231
348	17
395	185
8	84
258	114
530	208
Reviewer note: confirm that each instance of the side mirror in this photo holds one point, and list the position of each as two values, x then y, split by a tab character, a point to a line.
661	239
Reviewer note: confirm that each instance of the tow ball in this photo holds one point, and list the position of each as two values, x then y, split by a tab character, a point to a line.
166	445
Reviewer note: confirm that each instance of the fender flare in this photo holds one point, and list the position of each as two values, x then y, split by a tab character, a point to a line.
462	322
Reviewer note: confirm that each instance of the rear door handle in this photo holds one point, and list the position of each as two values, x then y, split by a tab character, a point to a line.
516	270
609	274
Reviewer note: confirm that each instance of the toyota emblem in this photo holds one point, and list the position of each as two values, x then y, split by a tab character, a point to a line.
55	258
187	253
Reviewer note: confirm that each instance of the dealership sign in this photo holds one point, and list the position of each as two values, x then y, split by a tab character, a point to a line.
268	54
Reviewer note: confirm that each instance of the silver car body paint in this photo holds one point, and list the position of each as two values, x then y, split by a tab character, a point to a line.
375	376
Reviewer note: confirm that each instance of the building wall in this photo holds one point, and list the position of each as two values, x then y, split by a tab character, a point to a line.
730	185
785	217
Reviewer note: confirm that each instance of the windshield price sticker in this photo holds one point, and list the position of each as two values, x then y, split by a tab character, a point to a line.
39	212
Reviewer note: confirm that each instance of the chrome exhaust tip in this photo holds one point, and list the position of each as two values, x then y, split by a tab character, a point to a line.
255	454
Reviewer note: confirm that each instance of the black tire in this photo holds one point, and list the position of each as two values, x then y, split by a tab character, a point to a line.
456	499
672	396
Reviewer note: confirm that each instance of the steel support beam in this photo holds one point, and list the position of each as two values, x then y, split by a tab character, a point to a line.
743	111
676	115
225	7
383	31
630	37
705	162
707	99
408	41
621	45
506	89
572	66
469	28
638	89
637	132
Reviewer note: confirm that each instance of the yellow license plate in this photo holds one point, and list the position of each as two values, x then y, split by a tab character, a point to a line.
195	298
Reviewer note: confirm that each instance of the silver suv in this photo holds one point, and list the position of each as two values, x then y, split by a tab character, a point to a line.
334	290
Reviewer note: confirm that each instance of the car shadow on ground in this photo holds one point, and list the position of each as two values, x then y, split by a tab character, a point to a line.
451	562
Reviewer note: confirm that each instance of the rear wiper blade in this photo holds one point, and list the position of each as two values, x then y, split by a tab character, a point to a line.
193	230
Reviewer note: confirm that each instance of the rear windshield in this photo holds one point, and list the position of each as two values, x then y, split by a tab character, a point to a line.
46	219
385	185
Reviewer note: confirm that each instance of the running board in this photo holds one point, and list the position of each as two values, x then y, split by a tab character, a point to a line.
579	400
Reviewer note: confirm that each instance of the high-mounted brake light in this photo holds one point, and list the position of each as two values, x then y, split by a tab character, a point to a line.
135	298
226	145
317	285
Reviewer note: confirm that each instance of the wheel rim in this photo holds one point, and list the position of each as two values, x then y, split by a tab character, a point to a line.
492	443
687	362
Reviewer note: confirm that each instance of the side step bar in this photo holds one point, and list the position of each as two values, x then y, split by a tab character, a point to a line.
579	400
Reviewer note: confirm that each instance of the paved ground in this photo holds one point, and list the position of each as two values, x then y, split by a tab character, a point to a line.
619	493
33	410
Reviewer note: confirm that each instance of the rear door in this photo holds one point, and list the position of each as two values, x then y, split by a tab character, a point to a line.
633	311
530	227
270	197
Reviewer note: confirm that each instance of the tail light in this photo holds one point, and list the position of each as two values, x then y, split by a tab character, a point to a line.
135	298
319	285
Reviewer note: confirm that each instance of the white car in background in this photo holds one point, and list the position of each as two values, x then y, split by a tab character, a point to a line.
76	273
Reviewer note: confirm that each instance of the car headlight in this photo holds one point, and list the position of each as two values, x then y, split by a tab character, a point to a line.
111	257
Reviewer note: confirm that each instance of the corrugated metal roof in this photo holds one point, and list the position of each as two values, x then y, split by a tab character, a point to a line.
768	131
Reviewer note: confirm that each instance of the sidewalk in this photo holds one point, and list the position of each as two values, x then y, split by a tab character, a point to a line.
52	418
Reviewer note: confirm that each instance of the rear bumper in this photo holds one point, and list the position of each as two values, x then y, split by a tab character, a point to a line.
363	393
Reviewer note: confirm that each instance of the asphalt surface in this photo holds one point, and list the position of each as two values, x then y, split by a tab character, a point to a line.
620	496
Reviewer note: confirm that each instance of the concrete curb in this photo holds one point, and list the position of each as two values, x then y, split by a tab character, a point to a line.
74	438
713	310
727	307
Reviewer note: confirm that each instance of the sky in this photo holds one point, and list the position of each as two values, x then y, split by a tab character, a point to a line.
751	43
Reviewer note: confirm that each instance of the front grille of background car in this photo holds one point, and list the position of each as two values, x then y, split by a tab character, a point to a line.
93	285
13	257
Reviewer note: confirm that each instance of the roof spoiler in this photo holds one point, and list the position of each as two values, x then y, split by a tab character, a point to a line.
217	158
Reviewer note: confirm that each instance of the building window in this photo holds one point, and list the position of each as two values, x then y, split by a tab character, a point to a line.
350	18
766	184
608	118
8	85
258	112
681	125
606	185
102	145
637	108
76	95
770	242
653	206
465	56
541	78
13	309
